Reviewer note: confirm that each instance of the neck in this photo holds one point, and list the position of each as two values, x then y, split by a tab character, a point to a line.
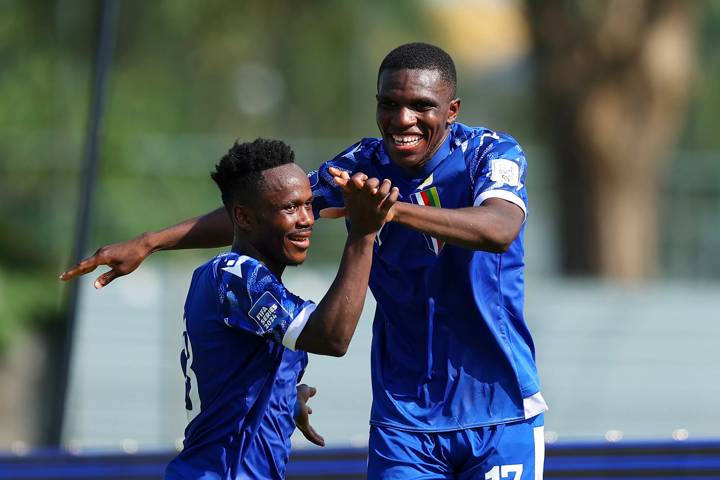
243	246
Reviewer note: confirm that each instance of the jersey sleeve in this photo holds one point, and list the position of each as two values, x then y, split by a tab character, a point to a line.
252	299
499	170
325	192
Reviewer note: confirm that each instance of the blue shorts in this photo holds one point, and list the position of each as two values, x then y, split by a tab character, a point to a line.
511	451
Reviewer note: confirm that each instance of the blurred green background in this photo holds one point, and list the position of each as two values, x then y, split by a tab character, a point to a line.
188	78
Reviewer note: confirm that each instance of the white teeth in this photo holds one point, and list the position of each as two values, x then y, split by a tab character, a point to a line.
406	139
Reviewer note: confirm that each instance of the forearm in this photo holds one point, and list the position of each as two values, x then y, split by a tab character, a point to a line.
211	230
332	324
491	229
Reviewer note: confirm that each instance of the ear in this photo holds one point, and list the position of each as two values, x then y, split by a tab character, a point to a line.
243	218
453	111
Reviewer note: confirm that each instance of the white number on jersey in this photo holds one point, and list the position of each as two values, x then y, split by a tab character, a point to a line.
504	471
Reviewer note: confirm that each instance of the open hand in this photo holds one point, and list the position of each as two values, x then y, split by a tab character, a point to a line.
304	393
122	258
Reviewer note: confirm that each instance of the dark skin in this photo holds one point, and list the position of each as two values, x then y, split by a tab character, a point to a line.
274	226
411	103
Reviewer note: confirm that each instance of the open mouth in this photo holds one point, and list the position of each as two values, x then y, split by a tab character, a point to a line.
405	142
300	240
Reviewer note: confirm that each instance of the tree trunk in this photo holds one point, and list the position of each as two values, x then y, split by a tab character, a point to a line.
613	82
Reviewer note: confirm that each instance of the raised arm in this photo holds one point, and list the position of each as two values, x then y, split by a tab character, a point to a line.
332	324
213	229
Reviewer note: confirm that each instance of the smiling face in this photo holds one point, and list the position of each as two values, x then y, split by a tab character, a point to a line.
282	217
415	109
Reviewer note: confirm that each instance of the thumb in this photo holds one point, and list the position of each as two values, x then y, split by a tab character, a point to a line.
106	278
333	212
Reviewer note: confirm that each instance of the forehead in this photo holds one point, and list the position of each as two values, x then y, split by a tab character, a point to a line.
285	182
412	82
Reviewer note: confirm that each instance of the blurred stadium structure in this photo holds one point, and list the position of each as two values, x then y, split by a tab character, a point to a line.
623	356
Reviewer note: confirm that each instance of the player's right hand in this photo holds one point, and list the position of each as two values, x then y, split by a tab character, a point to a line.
122	258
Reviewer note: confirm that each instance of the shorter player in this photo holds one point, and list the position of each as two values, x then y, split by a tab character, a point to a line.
245	334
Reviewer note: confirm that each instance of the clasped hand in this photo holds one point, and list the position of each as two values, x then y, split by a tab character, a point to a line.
368	201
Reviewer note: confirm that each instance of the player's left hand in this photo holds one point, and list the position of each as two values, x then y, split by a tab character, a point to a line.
302	420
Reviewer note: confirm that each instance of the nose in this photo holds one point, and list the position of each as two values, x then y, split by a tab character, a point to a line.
306	217
404	118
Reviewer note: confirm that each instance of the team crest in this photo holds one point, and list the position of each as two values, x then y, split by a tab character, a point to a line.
429	198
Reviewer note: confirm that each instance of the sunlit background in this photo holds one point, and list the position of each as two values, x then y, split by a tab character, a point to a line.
616	103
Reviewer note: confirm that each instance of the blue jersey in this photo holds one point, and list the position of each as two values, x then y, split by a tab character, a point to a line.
450	346
241	371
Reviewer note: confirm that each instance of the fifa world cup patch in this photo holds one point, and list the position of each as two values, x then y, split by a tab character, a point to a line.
505	172
267	312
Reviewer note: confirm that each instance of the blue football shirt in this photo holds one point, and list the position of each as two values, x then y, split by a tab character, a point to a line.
450	346
241	371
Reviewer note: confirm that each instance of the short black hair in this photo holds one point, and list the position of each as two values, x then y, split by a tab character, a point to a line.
238	175
421	56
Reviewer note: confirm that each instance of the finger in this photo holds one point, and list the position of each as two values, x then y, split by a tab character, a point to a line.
359	180
86	265
333	212
312	391
336	172
372	185
390	200
313	436
302	393
106	278
340	181
384	189
309	410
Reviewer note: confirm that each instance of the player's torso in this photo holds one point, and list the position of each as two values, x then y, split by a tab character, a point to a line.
236	385
439	348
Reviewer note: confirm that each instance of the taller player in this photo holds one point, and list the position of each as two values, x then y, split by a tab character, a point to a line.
455	387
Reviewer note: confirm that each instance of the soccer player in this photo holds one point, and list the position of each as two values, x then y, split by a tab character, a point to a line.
245	334
456	392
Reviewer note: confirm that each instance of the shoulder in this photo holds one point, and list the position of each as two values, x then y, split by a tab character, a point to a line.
365	149
352	158
232	267
482	141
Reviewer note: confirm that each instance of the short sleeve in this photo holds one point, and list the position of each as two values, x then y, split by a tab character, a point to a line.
499	170
325	192
253	300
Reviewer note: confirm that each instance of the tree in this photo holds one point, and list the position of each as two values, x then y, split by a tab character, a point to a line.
613	83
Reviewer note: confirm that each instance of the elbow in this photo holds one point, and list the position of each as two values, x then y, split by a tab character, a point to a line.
501	246
494	244
338	348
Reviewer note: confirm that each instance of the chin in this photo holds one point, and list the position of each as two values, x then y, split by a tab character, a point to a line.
295	261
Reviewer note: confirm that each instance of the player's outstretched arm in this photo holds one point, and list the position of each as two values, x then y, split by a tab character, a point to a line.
303	412
491	227
213	229
332	324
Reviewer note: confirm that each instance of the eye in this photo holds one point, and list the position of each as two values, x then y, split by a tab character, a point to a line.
290	208
422	106
387	103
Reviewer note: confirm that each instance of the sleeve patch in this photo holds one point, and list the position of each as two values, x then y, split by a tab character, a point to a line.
505	172
267	312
